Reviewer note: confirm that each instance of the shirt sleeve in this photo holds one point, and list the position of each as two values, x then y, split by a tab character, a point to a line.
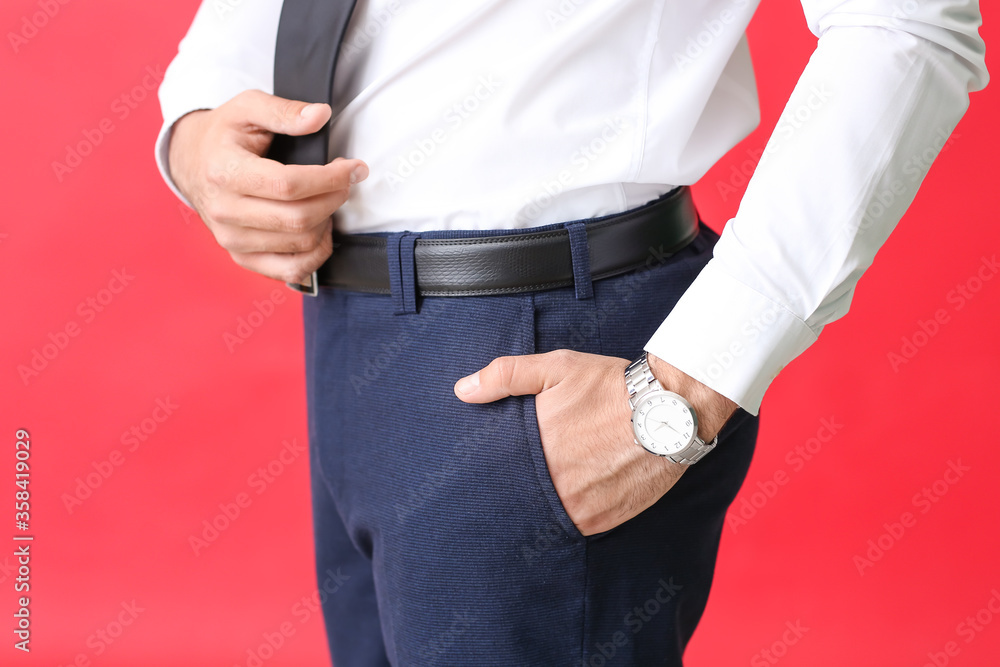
229	48
876	103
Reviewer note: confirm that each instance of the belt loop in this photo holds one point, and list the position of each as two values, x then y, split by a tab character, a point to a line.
402	271
580	251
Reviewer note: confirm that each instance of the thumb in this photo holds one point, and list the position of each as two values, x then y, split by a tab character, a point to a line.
279	115
508	376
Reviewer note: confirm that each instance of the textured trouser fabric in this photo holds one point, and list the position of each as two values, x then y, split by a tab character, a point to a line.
440	539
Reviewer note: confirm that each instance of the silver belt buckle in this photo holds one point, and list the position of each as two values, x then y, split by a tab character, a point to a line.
309	287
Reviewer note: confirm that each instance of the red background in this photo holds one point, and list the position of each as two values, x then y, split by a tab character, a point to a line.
163	336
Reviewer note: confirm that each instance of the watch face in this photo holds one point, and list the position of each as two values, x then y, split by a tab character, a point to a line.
664	423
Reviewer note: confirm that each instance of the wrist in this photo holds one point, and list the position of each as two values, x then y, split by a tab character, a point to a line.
712	408
183	143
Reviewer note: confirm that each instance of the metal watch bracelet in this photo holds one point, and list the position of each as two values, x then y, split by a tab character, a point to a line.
639	379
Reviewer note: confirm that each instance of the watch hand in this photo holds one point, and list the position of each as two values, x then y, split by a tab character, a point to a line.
662	424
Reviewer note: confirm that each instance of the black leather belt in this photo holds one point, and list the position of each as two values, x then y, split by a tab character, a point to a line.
512	263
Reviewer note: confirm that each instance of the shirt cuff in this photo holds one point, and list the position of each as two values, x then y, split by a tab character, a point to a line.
163	160
181	93
730	337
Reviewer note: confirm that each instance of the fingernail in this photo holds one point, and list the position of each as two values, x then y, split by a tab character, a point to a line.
469	384
307	109
359	174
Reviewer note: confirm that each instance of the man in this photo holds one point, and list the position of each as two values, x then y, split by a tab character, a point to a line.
511	230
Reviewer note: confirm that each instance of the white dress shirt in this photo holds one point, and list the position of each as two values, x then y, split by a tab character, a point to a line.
517	113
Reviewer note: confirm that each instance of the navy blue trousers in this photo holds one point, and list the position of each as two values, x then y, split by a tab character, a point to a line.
440	539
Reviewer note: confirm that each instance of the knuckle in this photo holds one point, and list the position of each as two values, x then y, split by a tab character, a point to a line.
569	354
225	238
293	275
213	210
281	188
284	110
272	221
215	174
323	251
222	175
208	190
298	267
228	179
563	356
232	108
251	181
300	243
297	222
504	367
320	236
241	260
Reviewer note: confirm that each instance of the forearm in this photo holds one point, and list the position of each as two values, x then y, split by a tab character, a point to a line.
871	110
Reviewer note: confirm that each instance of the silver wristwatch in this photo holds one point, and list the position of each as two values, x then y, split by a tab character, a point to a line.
663	422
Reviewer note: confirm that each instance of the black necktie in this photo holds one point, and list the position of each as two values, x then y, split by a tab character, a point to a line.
305	57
